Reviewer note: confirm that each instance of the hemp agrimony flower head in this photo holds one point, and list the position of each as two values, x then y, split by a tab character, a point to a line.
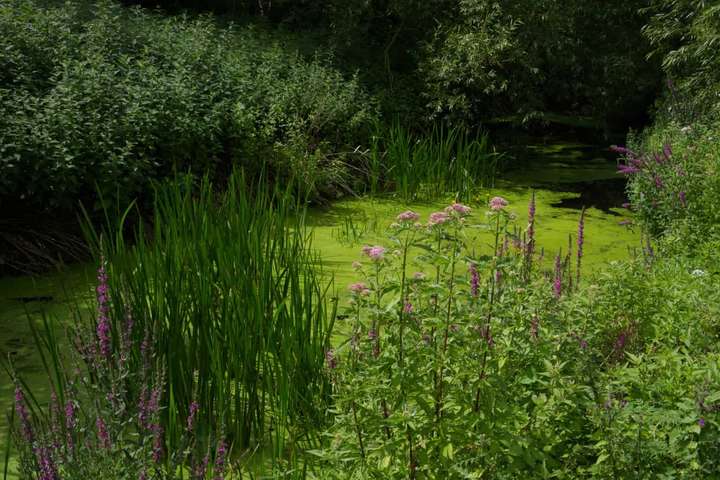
408	216
497	203
359	288
375	253
459	209
438	218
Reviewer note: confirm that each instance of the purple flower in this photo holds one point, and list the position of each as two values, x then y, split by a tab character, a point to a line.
158	443
48	471
531	226
658	182
497	203
372	334
330	359
103	434
103	322
458	208
580	241
219	470
474	280
557	279
408	216
667	151
683	199
623	150
701	422
23	415
201	468
194	407
408	308
627	169
438	218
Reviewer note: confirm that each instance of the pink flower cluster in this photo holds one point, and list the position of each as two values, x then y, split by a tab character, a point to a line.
458	208
375	253
359	289
438	218
498	203
408	216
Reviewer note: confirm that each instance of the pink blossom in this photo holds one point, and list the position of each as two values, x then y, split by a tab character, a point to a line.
458	208
408	216
375	253
438	218
498	203
359	289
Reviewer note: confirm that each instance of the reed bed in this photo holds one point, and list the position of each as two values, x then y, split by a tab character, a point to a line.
428	166
239	311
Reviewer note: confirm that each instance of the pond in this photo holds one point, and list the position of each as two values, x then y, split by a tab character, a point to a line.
564	176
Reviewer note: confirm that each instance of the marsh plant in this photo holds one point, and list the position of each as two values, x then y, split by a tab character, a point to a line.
469	361
428	166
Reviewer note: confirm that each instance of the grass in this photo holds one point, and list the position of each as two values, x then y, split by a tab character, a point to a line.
231	290
429	166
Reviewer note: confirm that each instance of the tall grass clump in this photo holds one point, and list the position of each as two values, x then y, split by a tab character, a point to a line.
237	306
427	166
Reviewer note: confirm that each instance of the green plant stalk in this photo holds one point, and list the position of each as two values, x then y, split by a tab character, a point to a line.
441	369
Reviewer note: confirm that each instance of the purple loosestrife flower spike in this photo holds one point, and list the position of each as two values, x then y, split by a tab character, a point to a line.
69	423
330	359
194	408
623	151
474	280
580	243
658	182
557	280
103	434
667	151
48	471
531	226
103	322
627	169
219	470
683	199
158	443
701	422
23	415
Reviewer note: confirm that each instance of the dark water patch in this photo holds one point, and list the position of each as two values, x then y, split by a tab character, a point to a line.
605	195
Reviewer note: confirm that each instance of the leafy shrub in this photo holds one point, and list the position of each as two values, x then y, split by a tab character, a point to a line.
482	365
98	95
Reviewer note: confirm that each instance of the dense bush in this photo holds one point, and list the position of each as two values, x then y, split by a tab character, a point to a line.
674	165
95	94
478	367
